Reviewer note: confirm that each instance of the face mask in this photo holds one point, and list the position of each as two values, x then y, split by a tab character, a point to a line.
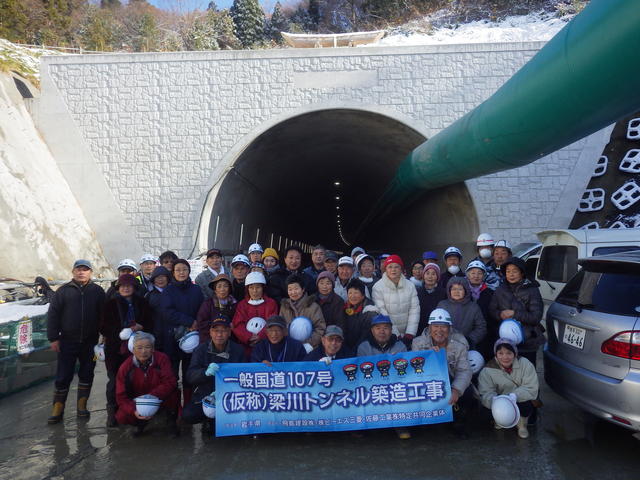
485	252
453	269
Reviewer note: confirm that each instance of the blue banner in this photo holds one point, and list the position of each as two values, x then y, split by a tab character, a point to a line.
380	391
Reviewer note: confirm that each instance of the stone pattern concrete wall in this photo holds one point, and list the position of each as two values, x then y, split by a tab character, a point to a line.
158	124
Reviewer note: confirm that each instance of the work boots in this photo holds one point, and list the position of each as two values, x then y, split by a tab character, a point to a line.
84	389
59	399
522	427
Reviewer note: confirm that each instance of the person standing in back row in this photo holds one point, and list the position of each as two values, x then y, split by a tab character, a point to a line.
72	328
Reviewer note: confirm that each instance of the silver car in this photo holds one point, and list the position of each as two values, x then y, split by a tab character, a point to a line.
592	357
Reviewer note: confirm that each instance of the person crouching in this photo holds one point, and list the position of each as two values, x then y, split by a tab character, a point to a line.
204	365
278	347
147	372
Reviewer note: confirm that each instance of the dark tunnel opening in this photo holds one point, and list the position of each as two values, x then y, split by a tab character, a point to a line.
282	189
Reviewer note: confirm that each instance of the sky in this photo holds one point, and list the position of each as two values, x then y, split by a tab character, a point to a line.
186	5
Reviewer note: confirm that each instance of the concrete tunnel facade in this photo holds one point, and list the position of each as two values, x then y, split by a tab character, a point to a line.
314	177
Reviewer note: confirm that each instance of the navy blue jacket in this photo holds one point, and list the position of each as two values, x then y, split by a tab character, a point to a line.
288	350
180	302
204	355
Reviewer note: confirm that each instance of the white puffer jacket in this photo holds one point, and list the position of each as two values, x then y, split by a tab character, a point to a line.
399	302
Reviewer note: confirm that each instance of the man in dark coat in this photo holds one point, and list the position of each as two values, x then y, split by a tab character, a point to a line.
277	286
72	329
332	347
277	347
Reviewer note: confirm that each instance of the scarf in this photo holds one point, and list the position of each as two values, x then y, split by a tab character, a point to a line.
223	303
353	309
476	291
260	301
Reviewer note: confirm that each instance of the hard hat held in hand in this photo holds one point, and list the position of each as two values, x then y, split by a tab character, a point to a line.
125	333
511	329
300	328
147	405
209	406
505	411
255	325
476	360
189	342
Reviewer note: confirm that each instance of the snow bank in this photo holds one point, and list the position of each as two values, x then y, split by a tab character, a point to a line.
522	28
42	226
12	312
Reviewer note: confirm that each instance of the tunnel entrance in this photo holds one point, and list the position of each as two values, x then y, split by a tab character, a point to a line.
314	177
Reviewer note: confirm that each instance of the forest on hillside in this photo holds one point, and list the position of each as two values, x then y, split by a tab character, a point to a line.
138	26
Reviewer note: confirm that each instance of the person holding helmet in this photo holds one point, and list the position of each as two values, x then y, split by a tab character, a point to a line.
501	253
440	334
278	346
519	298
126	266
240	266
255	252
124	310
396	297
357	313
331	348
146	372
452	261
147	264
270	259
72	329
330	303
317	262
277	285
256	304
346	267
220	303
466	315
214	268
484	247
508	374
181	301
429	294
299	304
366	267
204	364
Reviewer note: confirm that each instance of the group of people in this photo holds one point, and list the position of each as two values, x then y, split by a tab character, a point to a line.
156	326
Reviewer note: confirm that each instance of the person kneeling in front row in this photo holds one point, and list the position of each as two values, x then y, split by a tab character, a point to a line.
331	348
204	365
278	346
146	373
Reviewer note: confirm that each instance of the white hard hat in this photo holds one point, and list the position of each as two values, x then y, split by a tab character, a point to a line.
240	258
256	324
512	330
503	244
255	277
485	240
189	342
452	251
98	350
476	360
476	264
147	405
363	256
127	263
130	342
300	328
345	261
440	315
147	257
505	411
255	247
209	406
125	333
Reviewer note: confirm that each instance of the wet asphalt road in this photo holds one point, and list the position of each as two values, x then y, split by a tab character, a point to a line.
565	445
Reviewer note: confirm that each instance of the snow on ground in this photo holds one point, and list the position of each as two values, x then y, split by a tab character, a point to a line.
24	60
522	28
12	311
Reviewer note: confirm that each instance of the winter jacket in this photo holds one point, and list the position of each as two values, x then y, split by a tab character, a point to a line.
446	276
181	302
525	300
74	313
494	380
428	303
306	307
133	381
340	289
371	347
357	326
288	350
312	272
277	284
158	317
114	319
331	308
204	355
245	312
368	286
399	302
485	346
465	314
203	280
209	310
238	290
457	357
318	353
145	282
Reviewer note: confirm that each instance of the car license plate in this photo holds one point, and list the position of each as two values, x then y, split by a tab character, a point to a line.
574	336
